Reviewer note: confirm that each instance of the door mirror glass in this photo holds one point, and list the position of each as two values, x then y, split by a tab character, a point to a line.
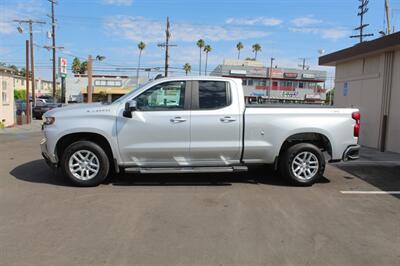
130	106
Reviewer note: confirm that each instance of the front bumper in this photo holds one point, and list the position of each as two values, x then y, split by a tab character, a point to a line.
50	159
351	153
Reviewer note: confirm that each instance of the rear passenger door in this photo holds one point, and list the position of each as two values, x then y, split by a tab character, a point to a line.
215	125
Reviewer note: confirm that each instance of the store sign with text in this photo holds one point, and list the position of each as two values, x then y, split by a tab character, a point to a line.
291	75
62	67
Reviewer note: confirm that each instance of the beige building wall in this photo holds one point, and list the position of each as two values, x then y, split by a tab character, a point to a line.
393	134
365	81
7	99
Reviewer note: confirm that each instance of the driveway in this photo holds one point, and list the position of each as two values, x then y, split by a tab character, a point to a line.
251	218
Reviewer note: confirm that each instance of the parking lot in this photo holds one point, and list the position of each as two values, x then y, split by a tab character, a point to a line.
251	218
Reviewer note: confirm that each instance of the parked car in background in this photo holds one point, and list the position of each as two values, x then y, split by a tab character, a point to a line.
40	109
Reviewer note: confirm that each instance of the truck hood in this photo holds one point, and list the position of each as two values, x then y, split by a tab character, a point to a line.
82	108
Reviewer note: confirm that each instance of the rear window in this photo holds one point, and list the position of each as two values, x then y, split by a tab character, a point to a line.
213	94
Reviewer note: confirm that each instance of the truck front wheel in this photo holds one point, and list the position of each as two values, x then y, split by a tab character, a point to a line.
85	163
302	164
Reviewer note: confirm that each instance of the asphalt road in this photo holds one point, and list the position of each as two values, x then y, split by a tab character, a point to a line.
230	219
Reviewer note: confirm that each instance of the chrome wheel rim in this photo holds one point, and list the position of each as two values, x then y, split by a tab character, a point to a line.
84	165
305	165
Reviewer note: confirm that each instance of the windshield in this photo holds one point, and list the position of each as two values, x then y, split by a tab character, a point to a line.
123	98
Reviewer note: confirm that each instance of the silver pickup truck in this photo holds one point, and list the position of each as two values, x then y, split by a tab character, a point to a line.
196	124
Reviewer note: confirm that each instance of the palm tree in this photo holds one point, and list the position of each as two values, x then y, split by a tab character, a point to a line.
187	67
207	49
141	47
256	48
239	46
200	43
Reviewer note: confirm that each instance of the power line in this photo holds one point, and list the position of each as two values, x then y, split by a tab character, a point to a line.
363	10
53	36
166	45
30	22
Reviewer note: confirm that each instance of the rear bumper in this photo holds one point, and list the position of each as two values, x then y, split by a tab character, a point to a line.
50	159
351	153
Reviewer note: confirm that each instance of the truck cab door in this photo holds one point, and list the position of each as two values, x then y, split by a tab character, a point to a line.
158	134
215	130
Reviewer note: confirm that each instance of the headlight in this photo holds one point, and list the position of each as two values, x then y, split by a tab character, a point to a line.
49	120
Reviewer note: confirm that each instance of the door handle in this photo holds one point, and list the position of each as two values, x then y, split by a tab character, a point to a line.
227	119
177	120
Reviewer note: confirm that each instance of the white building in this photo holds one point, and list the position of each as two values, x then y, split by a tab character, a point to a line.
368	77
7	96
288	84
105	87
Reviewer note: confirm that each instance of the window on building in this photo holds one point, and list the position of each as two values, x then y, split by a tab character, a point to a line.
213	95
4	94
301	85
108	83
250	82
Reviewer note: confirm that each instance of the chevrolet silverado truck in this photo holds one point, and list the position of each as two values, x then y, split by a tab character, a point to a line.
196	125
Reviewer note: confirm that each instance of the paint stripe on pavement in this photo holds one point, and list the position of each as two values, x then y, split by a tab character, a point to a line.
371	192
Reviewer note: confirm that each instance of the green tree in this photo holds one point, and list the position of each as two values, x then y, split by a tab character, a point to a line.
76	66
22	72
141	46
19	94
187	67
330	96
83	68
207	49
239	46
256	48
13	67
200	43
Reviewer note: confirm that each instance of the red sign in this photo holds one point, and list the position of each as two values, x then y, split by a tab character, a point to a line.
291	75
277	73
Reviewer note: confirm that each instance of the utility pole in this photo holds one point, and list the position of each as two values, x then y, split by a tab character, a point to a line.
303	65
53	36
270	79
166	45
387	8
363	10
90	73
27	104
30	22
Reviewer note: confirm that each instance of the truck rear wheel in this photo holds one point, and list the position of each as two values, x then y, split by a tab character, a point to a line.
85	163
302	164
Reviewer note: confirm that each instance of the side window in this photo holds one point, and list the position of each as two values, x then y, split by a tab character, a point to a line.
163	97
213	94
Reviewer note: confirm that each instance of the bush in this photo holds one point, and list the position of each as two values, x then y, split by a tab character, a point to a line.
19	94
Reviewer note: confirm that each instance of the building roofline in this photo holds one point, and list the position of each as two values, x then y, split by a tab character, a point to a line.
384	43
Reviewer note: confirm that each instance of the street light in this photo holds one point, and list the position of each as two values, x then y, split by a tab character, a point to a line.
20	29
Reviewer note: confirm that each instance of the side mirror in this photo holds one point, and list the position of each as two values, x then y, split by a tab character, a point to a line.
130	106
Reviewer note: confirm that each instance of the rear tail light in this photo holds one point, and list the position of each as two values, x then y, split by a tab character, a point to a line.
356	116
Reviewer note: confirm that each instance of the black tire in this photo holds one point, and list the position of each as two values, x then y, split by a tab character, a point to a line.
285	164
104	163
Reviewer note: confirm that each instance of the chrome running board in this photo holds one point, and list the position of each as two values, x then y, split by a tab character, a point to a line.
169	170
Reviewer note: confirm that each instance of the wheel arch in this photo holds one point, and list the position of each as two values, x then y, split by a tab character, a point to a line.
316	138
66	140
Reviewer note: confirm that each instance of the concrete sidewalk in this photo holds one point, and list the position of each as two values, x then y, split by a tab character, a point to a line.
34	126
380	169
